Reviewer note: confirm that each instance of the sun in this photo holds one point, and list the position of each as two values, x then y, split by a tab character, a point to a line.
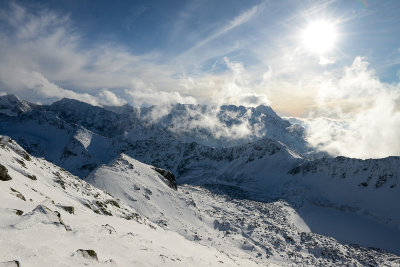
319	36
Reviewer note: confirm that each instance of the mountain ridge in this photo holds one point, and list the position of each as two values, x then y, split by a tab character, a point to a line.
84	139
44	203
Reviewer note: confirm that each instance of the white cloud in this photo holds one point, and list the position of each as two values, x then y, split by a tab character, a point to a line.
42	60
107	97
235	86
208	122
240	88
235	22
323	60
153	97
358	116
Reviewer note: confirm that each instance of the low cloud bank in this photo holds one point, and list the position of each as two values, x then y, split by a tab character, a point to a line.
358	115
214	124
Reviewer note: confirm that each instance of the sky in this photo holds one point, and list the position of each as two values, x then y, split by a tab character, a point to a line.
335	64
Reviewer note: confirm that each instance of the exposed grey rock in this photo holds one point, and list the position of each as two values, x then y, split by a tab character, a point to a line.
19	212
4	176
68	209
169	176
53	216
88	253
109	228
32	177
17	194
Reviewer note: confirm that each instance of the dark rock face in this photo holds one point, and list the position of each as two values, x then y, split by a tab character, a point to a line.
17	194
69	209
19	212
4	174
88	253
169	176
53	216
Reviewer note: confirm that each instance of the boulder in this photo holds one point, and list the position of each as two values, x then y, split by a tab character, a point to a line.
18	194
170	178
88	254
69	209
4	174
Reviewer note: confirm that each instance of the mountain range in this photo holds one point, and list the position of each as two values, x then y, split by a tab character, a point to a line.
191	184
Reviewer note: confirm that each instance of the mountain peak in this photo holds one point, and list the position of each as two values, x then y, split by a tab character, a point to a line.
69	101
11	105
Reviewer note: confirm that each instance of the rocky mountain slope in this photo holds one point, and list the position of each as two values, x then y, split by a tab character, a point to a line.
236	161
149	221
49	217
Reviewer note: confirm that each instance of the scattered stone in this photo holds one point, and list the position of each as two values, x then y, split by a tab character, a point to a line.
32	177
4	174
162	223
53	216
87	205
88	254
21	162
148	191
109	228
169	176
191	203
59	179
26	156
111	261
103	208
69	209
113	202
19	212
17	194
133	216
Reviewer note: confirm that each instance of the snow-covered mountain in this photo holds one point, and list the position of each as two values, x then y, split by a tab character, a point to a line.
249	185
12	105
52	218
138	220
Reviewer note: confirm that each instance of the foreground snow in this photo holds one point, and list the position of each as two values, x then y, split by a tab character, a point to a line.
49	217
46	234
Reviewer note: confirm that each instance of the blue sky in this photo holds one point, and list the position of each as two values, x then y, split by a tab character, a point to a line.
234	52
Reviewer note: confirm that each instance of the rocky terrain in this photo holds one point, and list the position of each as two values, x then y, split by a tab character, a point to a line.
186	185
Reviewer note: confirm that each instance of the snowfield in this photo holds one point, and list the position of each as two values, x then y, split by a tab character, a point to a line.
44	222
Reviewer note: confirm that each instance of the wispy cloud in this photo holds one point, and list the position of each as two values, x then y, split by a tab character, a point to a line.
234	23
41	58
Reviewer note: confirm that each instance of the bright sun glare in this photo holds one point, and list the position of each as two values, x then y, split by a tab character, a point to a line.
319	36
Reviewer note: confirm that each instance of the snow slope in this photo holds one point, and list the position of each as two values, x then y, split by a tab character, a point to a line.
148	192
361	197
49	216
106	144
272	232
